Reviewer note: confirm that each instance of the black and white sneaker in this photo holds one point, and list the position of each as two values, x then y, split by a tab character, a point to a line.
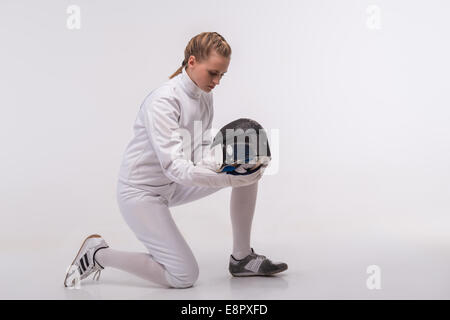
255	265
85	261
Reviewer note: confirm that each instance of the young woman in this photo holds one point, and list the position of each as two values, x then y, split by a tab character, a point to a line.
155	175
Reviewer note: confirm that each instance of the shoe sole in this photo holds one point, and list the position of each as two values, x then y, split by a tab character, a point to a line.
90	237
252	274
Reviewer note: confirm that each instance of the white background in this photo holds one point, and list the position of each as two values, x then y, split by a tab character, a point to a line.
363	118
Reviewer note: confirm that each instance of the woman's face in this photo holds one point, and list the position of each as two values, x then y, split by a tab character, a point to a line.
207	74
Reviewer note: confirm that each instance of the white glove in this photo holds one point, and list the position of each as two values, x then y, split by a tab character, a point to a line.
245	180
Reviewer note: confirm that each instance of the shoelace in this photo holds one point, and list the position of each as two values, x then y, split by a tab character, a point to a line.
254	254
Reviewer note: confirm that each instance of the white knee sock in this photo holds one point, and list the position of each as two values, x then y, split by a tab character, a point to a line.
138	263
242	208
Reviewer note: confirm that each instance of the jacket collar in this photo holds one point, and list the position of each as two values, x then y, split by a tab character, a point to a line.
189	86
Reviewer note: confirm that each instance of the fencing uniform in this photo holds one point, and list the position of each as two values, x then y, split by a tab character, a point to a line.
156	173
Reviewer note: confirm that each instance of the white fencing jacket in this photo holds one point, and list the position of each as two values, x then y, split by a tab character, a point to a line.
157	157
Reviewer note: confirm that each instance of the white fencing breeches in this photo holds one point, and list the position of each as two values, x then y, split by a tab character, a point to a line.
170	260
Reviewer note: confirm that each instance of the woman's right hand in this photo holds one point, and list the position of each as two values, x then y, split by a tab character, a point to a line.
245	180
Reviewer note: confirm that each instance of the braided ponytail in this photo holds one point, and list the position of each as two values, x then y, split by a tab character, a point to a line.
200	47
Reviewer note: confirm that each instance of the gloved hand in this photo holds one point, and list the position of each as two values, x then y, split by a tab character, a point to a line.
245	180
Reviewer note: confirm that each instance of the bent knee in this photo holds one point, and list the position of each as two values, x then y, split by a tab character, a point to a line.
183	280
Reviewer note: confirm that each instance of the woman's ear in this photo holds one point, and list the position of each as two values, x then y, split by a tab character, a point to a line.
192	61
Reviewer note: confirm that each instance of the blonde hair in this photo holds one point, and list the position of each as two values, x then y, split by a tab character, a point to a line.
200	47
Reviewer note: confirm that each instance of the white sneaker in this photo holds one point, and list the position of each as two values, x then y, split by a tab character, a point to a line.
85	261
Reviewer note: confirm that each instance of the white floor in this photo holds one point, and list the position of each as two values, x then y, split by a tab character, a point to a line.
326	261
